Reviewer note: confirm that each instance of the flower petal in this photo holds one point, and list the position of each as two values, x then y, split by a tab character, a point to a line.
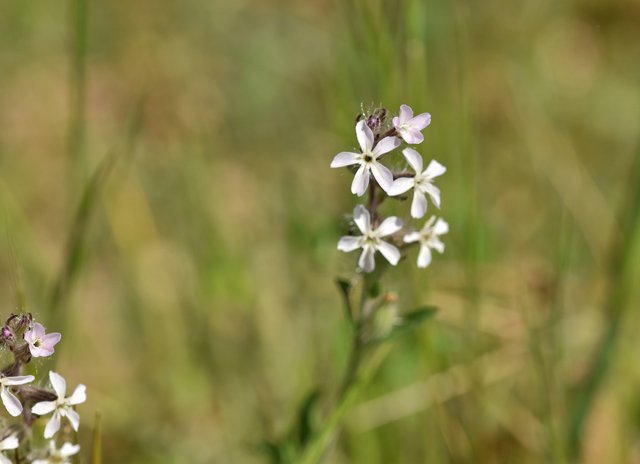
391	253
418	205
73	417
360	181
412	237
38	330
53	425
386	145
78	396
367	262
406	113
412	136
344	158
9	443
362	218
68	449
414	159
421	121
400	186
435	169
441	227
13	405
58	383
17	380
40	352
424	257
365	136
43	407
434	193
389	226
348	243
382	175
436	244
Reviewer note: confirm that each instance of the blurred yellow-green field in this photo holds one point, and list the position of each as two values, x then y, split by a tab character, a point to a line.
167	204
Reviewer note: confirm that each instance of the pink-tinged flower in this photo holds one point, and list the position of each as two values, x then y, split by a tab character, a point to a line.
368	160
410	127
422	183
371	239
59	455
40	343
429	238
8	443
10	401
61	407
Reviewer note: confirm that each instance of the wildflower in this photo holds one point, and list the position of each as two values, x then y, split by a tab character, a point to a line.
422	183
40	343
368	160
13	405
410	127
59	456
60	407
8	443
371	239
429	238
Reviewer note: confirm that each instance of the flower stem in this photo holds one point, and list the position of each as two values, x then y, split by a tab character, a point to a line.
365	367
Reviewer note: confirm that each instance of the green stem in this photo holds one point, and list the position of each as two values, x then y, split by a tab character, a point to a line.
365	372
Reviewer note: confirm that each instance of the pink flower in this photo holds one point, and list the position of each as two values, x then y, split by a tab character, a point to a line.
410	127
40	343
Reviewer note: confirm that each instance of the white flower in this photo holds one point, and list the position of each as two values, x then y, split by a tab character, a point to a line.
368	160
9	399
429	238
8	443
371	240
410	127
59	456
422	183
62	406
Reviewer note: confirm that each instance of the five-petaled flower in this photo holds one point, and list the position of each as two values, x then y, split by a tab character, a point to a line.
422	183
368	160
10	401
8	443
371	239
410	127
429	238
59	455
62	406
40	343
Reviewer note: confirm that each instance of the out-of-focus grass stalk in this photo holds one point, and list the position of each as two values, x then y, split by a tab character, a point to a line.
615	303
16	270
96	447
79	22
556	400
77	236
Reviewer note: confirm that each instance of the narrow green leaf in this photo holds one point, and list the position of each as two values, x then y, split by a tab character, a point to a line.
413	319
345	289
305	418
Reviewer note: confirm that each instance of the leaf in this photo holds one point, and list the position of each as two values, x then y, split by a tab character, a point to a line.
305	418
345	289
412	320
271	450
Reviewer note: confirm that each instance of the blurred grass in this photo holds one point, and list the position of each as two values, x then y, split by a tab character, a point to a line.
206	310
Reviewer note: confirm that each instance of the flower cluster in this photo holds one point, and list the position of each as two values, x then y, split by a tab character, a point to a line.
377	138
27	339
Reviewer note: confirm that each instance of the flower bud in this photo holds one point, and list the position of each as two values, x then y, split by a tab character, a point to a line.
384	318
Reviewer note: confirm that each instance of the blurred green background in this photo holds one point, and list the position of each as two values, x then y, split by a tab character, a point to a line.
194	283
